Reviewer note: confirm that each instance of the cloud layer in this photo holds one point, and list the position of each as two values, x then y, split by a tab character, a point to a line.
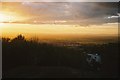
80	13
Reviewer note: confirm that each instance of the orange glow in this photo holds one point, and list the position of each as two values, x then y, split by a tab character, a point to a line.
10	30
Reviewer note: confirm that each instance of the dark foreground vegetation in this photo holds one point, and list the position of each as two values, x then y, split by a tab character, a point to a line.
34	57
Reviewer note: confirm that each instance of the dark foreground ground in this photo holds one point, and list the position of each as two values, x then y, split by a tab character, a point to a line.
53	72
30	59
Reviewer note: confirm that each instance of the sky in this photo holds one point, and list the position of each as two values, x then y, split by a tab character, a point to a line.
62	13
78	18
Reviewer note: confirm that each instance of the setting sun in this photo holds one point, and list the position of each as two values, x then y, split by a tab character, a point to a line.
6	18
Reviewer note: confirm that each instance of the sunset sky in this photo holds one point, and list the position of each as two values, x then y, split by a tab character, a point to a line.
49	19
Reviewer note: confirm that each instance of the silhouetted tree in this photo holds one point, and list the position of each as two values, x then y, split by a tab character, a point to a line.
19	38
5	39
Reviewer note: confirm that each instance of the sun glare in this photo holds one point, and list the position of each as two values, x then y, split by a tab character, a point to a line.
6	18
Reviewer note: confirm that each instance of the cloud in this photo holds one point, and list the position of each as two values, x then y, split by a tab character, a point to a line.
113	17
82	13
